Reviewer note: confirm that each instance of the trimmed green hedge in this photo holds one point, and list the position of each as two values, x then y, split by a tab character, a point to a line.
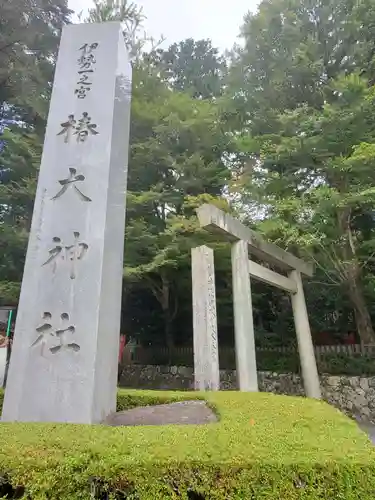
264	447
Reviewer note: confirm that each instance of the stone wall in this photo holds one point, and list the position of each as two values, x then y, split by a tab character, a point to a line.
353	395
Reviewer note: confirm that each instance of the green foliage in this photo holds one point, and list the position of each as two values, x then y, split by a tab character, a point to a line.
127	399
192	67
128	13
176	164
283	134
19	162
340	364
264	446
302	107
29	36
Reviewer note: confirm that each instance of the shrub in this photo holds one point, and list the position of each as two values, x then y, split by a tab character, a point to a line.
284	362
342	364
268	360
264	447
127	399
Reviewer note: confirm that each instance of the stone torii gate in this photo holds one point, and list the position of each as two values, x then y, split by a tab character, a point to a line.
245	241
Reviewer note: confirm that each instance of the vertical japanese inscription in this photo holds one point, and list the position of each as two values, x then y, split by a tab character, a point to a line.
86	65
212	318
82	128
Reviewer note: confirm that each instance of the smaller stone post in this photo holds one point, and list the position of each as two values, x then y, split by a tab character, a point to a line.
305	345
206	356
243	319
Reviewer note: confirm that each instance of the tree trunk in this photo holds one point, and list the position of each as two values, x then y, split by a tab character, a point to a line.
352	276
361	313
162	292
167	315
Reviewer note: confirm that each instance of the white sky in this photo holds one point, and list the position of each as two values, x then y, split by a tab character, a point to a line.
181	19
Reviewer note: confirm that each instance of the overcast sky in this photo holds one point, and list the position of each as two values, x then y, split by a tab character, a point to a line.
180	19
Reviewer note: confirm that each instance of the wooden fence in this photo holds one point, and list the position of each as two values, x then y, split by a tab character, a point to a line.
348	350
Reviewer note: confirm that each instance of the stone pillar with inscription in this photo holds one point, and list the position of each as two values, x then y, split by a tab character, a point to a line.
206	356
64	358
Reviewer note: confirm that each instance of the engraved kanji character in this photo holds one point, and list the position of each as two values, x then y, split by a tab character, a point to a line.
68	253
85	62
82	92
70	182
82	128
46	330
84	80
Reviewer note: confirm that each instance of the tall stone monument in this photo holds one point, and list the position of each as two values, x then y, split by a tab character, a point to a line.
64	360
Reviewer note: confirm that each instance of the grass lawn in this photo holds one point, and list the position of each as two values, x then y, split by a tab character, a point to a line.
264	447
